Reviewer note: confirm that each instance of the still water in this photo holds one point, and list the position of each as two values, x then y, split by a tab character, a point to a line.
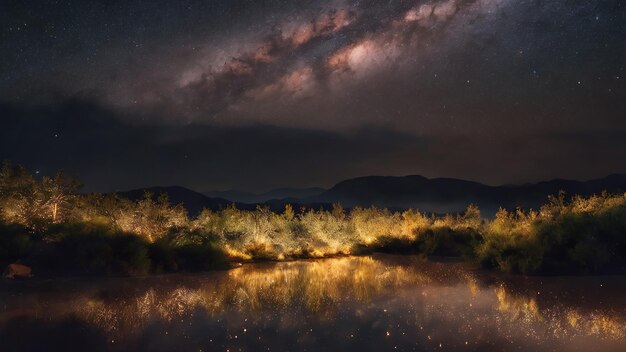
378	303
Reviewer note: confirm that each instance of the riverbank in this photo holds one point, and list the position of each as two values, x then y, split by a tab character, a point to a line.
582	236
46	225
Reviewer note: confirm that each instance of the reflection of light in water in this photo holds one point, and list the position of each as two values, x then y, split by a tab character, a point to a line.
472	285
99	314
316	282
561	321
316	285
365	288
517	307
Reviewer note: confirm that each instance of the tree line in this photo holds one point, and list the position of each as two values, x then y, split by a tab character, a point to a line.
46	223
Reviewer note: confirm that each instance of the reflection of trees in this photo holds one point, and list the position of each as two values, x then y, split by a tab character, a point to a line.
561	321
317	287
320	289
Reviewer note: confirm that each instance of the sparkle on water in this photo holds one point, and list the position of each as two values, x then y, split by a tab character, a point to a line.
352	303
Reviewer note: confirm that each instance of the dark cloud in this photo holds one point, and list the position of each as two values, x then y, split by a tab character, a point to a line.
225	94
93	144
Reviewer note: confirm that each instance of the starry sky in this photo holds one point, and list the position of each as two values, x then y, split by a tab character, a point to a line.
256	95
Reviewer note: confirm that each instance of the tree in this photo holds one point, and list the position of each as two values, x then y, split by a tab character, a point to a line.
289	214
471	217
57	192
154	219
18	195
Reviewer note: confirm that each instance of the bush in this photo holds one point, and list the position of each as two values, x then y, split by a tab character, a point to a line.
195	258
187	251
15	242
86	248
584	243
163	257
448	242
390	244
582	236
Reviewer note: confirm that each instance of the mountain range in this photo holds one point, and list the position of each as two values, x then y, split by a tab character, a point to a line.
438	195
280	193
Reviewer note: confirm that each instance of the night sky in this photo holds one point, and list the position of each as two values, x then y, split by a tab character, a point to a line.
260	94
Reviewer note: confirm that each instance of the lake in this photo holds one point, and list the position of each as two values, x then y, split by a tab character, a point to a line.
376	303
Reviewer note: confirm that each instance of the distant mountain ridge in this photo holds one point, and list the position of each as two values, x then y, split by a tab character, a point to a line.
279	193
193	201
453	195
439	195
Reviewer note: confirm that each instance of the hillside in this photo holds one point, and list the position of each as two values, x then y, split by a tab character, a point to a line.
439	195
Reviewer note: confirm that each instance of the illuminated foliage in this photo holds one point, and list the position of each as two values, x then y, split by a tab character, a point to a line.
573	234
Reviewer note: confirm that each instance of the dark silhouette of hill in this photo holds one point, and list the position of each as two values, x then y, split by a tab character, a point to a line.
453	195
280	193
193	201
438	195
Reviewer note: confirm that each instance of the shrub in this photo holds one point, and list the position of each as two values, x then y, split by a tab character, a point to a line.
15	242
449	242
85	248
195	258
187	251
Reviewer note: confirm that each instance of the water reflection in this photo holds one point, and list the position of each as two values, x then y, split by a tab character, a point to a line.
367	303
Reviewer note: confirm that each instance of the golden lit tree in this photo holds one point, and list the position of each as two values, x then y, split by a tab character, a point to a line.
18	195
154	219
57	193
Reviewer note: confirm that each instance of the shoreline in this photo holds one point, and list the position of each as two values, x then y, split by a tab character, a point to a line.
470	265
